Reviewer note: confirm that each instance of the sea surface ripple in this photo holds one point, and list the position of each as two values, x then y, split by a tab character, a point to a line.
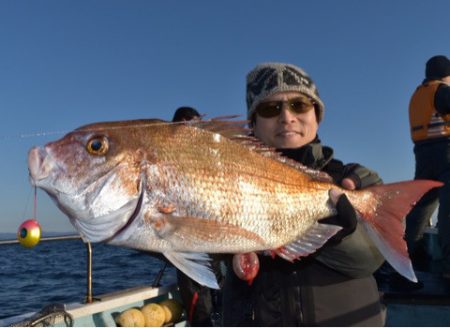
56	272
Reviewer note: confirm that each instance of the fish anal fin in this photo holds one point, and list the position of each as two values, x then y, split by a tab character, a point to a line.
314	238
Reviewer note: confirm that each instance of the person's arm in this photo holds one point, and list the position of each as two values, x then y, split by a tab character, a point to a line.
360	175
355	255
351	251
442	99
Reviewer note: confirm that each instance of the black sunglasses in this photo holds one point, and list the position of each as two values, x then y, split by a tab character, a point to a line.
273	108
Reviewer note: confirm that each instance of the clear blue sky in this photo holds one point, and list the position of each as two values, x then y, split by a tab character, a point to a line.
67	63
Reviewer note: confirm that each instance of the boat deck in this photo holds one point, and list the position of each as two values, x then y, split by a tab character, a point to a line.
105	308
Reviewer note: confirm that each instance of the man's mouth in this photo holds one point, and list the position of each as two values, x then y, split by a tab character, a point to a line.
287	134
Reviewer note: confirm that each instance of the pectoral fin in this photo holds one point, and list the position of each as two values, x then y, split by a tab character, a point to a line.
193	230
196	266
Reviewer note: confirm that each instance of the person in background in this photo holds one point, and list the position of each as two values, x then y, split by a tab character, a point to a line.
334	286
201	303
429	117
185	113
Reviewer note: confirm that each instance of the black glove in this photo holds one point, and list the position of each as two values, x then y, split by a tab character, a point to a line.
346	218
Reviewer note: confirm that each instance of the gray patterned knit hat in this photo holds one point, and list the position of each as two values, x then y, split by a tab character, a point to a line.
269	78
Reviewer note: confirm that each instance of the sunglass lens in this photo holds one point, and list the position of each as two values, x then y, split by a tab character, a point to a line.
299	106
268	110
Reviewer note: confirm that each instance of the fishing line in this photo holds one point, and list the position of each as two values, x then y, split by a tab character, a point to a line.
35	203
32	135
27	203
124	126
34	212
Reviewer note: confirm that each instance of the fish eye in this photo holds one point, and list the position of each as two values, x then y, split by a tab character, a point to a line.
97	146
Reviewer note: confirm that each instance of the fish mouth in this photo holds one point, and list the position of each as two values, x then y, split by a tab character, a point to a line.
38	166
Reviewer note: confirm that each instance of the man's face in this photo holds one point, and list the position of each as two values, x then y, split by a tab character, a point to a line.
288	129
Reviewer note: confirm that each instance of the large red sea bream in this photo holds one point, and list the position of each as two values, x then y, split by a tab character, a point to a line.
186	190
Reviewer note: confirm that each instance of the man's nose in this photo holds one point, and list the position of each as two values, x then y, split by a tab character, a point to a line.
286	115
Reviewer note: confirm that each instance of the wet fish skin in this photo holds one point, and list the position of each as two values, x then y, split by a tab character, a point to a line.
188	189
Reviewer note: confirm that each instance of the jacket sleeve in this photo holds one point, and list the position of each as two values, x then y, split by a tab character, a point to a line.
442	99
356	255
362	176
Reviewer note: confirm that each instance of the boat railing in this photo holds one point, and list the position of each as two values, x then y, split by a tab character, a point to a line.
89	297
89	293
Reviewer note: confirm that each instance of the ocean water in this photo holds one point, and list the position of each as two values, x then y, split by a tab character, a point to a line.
56	272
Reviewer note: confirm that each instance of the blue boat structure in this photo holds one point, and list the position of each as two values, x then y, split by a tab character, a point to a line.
424	304
97	310
102	312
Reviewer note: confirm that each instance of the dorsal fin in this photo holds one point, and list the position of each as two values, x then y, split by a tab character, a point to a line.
224	125
238	132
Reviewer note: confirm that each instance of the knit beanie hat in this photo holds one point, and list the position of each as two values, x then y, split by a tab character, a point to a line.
269	78
437	67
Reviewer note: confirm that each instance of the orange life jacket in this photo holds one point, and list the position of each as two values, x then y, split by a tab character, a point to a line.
425	122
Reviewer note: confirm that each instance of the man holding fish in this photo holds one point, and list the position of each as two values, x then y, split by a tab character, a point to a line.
206	187
334	286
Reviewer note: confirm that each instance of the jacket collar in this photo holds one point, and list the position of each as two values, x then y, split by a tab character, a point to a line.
314	155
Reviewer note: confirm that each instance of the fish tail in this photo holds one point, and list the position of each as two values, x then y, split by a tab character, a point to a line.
385	221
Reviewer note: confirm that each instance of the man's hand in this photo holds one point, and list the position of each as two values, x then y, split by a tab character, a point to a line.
346	215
